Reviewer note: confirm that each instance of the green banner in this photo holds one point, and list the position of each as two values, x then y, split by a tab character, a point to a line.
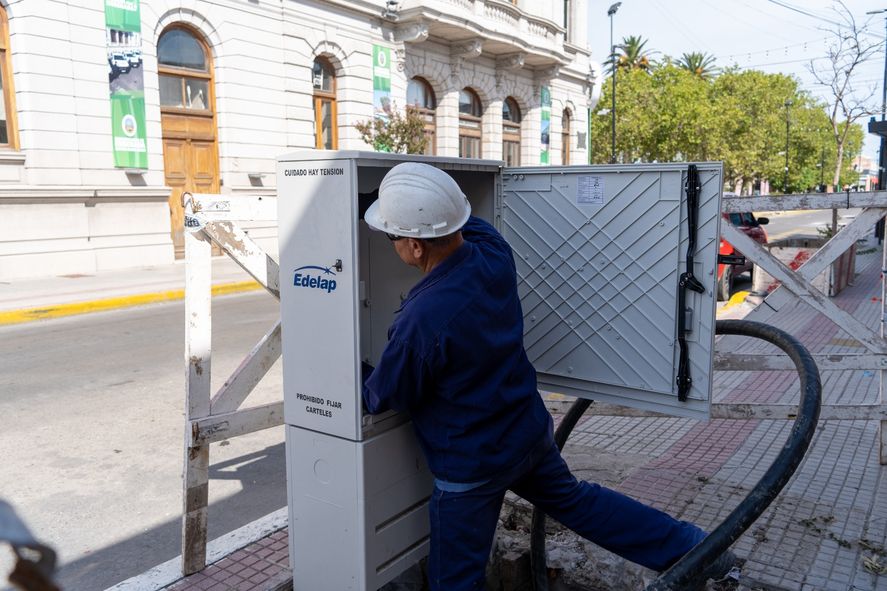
123	15
545	100
123	35
381	81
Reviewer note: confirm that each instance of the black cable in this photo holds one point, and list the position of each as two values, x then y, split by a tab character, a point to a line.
688	568
537	529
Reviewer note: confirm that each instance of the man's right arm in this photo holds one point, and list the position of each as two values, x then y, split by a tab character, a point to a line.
398	381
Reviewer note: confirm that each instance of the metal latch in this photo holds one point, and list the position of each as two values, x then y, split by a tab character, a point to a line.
688	281
731	259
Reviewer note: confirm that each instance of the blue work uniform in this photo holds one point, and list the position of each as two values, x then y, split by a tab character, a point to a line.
455	361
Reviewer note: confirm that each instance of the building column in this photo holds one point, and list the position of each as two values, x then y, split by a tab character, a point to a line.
448	124
491	146
578	33
582	127
531	132
557	128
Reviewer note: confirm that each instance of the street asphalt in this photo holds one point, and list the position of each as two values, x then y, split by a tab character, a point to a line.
808	223
93	435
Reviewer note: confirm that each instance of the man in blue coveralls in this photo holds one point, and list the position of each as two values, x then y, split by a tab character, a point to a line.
455	361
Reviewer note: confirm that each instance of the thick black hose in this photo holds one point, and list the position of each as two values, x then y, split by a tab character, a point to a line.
688	568
537	539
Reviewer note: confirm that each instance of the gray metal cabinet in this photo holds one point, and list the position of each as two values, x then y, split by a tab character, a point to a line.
599	253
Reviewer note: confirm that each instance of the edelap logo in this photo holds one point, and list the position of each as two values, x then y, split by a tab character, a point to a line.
315	277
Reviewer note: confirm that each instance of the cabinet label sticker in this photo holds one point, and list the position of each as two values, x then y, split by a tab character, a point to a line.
590	190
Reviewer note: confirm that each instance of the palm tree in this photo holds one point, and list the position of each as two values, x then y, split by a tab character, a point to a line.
631	54
699	64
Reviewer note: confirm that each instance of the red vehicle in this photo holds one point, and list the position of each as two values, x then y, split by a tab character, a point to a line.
746	222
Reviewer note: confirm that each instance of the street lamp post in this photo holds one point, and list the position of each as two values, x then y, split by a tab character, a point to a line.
610	12
788	103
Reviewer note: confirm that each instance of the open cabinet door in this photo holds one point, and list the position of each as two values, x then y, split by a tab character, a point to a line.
600	251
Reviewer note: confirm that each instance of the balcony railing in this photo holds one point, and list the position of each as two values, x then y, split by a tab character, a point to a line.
502	27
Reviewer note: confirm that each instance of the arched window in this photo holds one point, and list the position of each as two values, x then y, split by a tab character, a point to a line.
470	113
565	137
8	130
326	132
185	75
511	120
421	95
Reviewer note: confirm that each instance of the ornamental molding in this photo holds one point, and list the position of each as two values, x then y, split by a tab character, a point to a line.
461	52
547	74
416	32
514	61
468	50
455	69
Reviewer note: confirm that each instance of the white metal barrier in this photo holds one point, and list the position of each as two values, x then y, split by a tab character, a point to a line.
210	417
797	284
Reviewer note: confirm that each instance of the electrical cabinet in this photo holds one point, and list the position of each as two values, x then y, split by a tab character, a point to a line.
599	252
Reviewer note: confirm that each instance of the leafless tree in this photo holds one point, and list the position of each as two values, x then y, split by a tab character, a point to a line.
849	46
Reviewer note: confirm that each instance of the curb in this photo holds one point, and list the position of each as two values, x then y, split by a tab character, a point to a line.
169	573
780	213
736	299
23	315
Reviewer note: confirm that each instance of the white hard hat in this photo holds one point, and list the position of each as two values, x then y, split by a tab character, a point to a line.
418	201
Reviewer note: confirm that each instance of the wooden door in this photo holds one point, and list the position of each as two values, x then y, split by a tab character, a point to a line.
190	163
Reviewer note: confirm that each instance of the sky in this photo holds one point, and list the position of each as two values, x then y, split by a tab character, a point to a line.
765	35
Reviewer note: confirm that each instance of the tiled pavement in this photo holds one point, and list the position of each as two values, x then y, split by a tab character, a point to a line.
830	516
815	536
262	565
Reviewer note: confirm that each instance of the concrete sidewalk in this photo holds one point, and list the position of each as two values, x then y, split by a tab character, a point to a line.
52	297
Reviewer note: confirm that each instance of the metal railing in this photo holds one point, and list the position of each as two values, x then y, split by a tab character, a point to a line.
797	285
215	417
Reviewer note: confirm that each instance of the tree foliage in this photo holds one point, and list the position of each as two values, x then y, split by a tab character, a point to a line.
401	132
632	54
739	117
849	46
698	63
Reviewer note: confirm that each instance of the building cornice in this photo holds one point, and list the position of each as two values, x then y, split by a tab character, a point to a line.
577	49
362	7
78	194
12	157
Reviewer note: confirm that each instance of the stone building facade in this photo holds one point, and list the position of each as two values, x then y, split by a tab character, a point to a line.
229	85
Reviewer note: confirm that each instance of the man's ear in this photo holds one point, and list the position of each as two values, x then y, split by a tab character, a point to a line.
417	248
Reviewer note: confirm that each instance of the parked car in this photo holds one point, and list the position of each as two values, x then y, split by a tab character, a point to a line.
135	58
746	222
119	63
